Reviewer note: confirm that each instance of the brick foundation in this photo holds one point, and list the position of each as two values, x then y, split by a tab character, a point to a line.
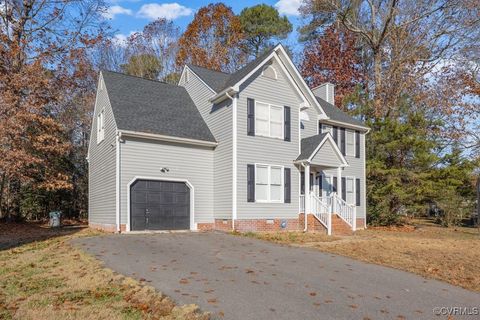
360	224
244	225
266	225
107	227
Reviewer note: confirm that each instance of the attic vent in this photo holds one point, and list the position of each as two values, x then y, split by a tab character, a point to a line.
187	76
100	84
269	72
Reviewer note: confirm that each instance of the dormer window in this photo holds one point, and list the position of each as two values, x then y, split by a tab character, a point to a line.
101	126
269	72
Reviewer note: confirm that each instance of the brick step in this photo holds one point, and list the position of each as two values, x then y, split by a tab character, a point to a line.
340	227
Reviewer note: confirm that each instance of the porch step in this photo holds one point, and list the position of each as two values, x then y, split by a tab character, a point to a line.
340	227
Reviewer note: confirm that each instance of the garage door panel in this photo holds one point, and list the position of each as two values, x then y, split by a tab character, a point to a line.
160	205
154	186
139	197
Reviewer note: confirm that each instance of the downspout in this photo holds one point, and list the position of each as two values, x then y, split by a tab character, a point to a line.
305	199
234	158
118	180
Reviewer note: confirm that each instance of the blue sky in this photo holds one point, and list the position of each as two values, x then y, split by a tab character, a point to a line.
128	16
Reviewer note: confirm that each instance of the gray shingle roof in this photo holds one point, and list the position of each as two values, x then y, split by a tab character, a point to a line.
219	81
309	145
336	114
155	107
214	79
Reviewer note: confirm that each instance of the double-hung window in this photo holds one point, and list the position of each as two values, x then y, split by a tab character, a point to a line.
268	120
350	143
350	189
268	183
101	126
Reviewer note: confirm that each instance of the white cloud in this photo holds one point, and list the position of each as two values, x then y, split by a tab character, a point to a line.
112	11
120	39
288	7
170	11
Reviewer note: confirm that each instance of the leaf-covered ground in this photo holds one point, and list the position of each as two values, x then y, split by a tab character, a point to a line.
447	254
43	277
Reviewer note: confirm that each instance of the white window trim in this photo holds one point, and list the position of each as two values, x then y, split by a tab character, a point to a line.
327	128
282	183
101	126
281	137
354	203
352	132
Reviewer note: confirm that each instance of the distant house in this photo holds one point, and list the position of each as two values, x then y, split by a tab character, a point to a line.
251	150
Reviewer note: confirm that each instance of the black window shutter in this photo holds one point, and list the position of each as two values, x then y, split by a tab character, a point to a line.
320	128
250	117
311	181
250	183
357	144
357	191
344	189
342	140
286	128
302	182
288	189
335	184
335	134
320	183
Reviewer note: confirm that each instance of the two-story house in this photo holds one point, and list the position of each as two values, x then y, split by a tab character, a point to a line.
251	150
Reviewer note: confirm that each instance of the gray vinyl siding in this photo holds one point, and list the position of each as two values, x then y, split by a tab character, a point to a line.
257	149
145	158
356	169
102	165
326	156
219	120
310	127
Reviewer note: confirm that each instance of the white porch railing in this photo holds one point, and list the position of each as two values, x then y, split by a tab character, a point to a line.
346	211
322	211
323	208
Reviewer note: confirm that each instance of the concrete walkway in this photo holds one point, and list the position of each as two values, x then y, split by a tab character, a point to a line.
241	278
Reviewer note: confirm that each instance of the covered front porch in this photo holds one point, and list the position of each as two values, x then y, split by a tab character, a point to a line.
320	195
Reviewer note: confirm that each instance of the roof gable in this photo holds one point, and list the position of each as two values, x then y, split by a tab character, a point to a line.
321	144
153	107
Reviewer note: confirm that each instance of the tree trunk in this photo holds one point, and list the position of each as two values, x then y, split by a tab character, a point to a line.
377	74
2	188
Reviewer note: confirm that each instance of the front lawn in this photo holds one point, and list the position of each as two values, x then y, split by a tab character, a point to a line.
43	277
448	254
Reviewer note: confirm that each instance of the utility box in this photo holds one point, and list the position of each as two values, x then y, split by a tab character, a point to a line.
55	218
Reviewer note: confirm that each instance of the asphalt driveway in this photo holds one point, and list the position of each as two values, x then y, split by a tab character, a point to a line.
241	278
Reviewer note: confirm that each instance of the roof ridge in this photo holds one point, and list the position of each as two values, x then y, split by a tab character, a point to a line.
137	77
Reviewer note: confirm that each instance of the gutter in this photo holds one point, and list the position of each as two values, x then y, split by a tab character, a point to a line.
346	125
224	94
136	134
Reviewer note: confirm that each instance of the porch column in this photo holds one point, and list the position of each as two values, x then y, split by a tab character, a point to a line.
307	189
339	182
